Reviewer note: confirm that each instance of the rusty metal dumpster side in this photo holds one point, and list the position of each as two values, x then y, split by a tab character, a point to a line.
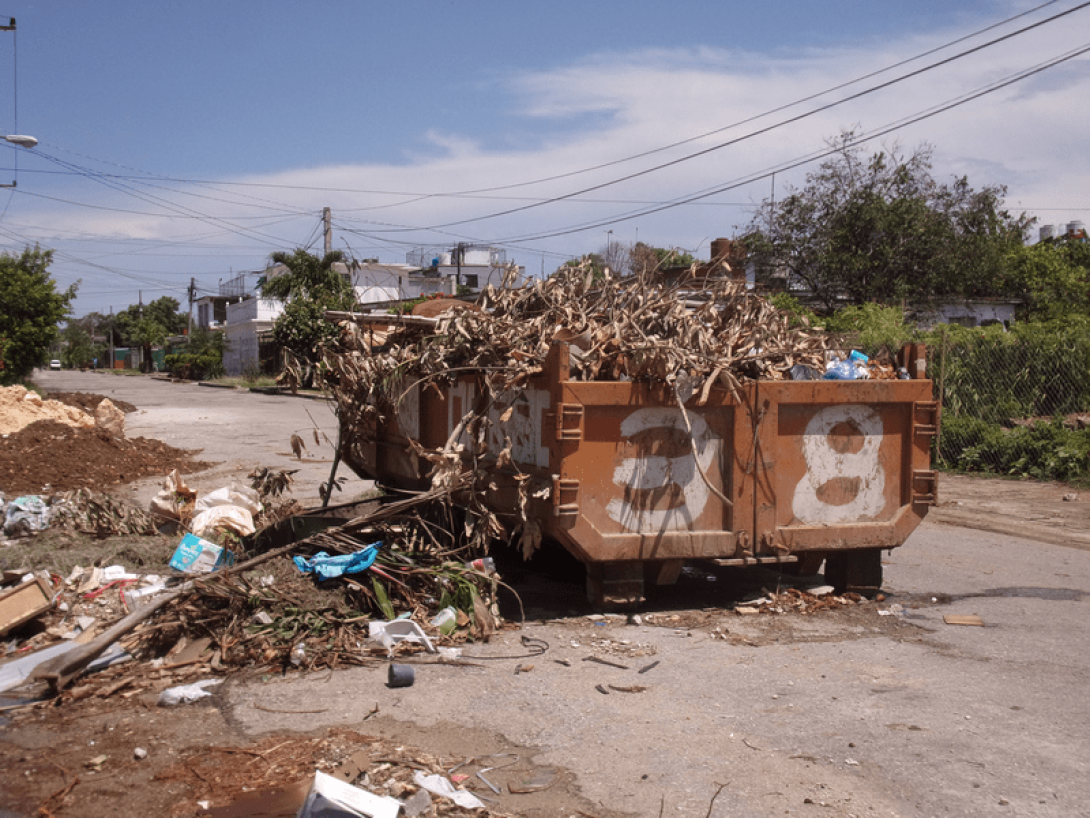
848	465
776	471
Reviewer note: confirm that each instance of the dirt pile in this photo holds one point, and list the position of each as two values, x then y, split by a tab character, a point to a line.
63	457
55	443
88	401
20	407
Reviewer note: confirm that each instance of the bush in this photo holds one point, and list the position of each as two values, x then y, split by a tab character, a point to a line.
871	328
195	367
1032	371
1044	450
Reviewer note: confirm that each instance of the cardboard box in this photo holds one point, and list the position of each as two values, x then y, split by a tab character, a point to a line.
196	556
24	602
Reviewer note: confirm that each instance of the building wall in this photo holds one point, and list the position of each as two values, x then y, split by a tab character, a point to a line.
483	275
969	314
245	321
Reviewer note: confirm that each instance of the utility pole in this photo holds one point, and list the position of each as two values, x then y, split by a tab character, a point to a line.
192	292
111	337
327	219
459	252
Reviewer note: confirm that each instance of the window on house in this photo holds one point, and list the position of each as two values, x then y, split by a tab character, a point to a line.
470	281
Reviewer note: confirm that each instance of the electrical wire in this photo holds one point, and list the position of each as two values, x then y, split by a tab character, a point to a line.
769	128
799	162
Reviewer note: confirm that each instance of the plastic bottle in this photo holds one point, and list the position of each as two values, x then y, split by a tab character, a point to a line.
446	620
840	371
485	565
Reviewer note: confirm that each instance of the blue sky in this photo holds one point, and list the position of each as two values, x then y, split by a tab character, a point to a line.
193	139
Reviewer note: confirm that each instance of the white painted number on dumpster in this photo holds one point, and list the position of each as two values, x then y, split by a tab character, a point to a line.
841	484
645	474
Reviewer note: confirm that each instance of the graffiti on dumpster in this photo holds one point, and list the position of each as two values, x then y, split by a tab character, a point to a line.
844	479
643	477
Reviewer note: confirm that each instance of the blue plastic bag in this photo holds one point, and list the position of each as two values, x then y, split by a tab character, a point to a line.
840	371
327	567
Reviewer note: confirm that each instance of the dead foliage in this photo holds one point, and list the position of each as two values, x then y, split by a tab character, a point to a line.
689	337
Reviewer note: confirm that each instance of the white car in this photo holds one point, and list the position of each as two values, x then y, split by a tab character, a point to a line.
54	364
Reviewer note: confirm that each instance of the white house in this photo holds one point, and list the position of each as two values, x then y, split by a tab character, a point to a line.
969	313
247	320
471	267
250	318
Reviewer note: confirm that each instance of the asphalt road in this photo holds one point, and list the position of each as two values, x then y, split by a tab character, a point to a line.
862	715
847	713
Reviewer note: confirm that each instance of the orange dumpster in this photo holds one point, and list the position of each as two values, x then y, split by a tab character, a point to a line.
636	479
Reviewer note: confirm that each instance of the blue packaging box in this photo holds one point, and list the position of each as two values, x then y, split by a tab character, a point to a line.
196	556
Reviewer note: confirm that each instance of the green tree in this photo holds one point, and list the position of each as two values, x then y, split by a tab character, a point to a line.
309	286
78	348
883	229
147	333
30	310
1052	278
163	311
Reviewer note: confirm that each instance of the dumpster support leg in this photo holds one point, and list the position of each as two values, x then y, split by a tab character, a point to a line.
615	585
858	570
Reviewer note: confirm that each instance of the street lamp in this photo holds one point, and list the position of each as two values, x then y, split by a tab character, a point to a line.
22	141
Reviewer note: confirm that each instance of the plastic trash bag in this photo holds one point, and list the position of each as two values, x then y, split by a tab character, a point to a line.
840	371
442	787
184	694
231	508
223	518
165	504
327	567
234	495
25	515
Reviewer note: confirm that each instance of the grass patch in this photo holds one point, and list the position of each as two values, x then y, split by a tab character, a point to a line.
59	551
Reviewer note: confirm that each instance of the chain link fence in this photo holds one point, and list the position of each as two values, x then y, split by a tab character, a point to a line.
1014	404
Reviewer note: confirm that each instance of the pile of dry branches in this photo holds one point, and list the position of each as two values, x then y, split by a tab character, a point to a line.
708	330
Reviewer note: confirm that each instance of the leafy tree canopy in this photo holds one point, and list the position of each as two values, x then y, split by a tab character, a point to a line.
1052	278
644	258
30	309
78	350
630	259
310	286
308	276
883	229
162	311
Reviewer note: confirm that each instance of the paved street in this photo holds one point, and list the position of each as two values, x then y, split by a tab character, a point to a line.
866	716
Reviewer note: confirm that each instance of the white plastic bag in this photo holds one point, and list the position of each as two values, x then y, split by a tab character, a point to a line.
184	694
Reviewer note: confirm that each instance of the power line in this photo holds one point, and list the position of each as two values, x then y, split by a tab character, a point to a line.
793	164
769	128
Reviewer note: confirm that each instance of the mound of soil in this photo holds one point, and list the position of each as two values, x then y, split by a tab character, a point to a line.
87	401
49	453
